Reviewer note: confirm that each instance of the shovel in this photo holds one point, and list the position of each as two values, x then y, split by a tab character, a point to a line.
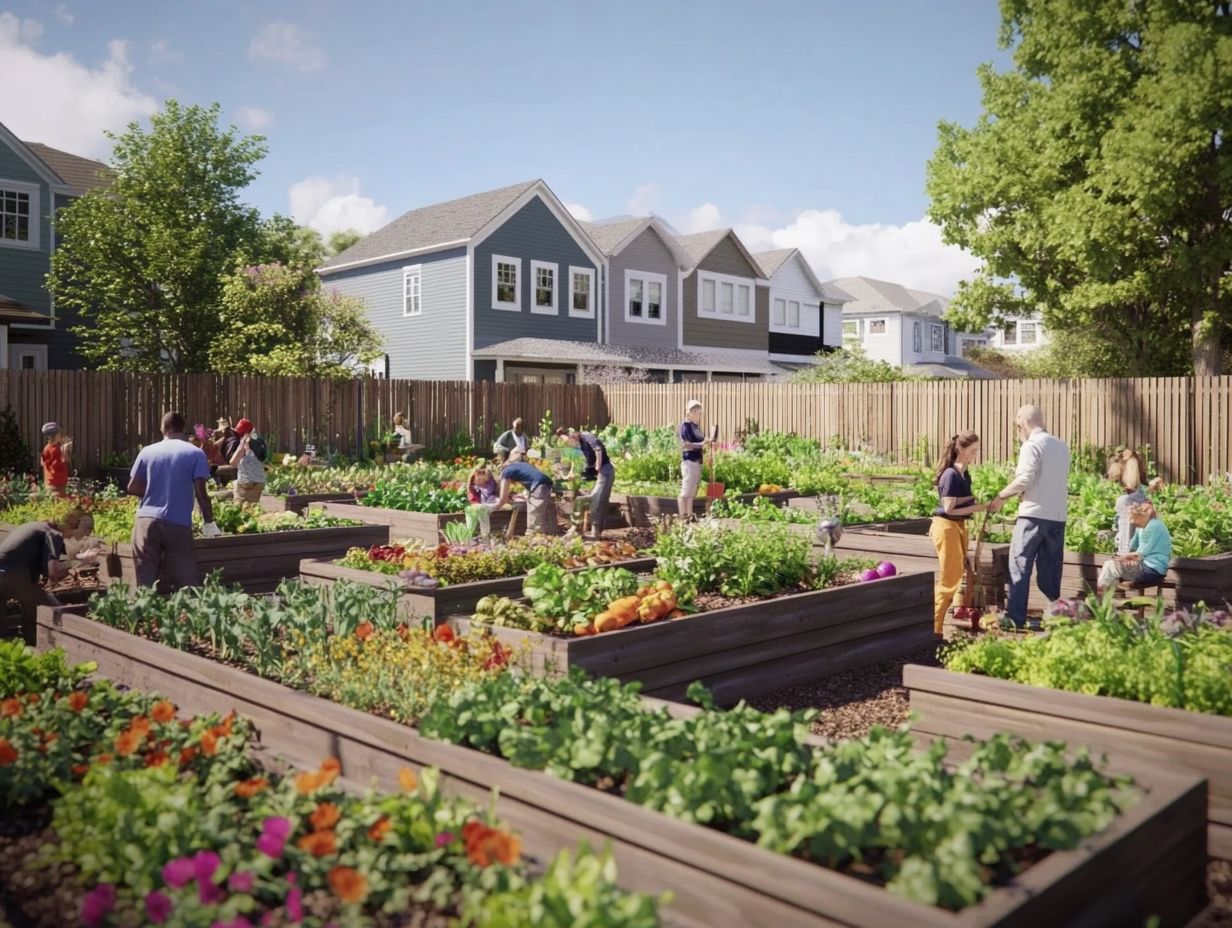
714	490
973	596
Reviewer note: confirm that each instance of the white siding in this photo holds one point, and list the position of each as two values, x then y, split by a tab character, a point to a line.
790	283
832	325
883	347
997	337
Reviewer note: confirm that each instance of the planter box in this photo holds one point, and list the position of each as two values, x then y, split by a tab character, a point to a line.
450	600
916	526
745	651
646	511
300	502
1146	862
1133	734
1190	579
257	562
416	526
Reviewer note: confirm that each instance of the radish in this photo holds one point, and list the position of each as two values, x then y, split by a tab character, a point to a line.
886	569
870	574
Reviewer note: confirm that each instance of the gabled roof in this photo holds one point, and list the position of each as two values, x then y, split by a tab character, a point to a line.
80	173
700	244
872	295
615	235
453	222
771	261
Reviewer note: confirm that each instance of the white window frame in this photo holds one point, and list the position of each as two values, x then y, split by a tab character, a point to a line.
414	273
917	337
858	335
535	268
789	323
36	227
589	273
1023	329
647	278
516	305
935	333
1009	334
719	280
885	327
775	317
749	306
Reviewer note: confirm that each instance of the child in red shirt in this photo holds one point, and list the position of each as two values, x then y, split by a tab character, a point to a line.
55	458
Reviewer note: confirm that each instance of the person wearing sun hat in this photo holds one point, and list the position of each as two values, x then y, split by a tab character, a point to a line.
247	459
55	458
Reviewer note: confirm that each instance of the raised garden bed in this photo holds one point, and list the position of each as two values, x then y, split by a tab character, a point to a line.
1148	862
257	562
417	526
744	651
1190	579
300	502
438	603
952	705
645	511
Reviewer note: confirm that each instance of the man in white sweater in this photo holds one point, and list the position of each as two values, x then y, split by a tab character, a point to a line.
1042	479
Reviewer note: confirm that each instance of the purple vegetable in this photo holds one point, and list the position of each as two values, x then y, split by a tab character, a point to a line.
886	569
870	574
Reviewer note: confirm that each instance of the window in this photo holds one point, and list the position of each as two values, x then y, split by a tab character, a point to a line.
543	276
506	287
780	312
1026	333
19	214
793	314
723	296
726	298
917	338
937	338
708	288
852	330
412	290
876	327
1009	335
742	300
644	297
581	292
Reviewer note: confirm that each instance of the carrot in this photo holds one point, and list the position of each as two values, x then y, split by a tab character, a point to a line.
607	621
581	630
677	614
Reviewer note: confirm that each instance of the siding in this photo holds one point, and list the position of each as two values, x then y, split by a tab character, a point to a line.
431	346
532	233
708	332
887	347
925	355
645	253
791	283
832	325
22	270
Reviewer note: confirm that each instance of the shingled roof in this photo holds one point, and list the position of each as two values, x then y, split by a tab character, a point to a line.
80	173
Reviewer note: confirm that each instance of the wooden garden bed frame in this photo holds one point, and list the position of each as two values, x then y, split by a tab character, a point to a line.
1190	579
746	651
299	502
416	526
646	511
1146	862
441	602
1133	734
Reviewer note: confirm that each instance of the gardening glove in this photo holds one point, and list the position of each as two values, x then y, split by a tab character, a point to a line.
210	530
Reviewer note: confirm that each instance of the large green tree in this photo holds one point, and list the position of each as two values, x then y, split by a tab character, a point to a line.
143	261
1096	186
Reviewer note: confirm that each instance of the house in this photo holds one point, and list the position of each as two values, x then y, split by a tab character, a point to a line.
452	286
35	182
904	327
806	316
1018	334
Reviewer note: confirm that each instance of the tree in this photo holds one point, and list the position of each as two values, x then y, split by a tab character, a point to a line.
276	321
1096	187
342	240
15	455
851	365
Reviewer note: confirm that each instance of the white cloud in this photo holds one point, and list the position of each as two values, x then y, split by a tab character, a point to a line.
162	52
333	205
704	217
644	200
64	14
57	100
578	211
286	43
911	254
253	118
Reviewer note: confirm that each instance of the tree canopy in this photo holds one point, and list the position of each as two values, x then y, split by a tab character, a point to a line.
1096	187
851	365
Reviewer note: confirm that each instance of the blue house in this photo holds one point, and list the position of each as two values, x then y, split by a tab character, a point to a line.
36	181
451	285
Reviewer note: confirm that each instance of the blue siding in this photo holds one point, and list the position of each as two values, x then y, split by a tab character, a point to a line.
431	346
532	233
22	270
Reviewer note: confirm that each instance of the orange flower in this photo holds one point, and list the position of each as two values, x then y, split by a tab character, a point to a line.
11	708
330	768
379	829
223	729
325	816
103	759
209	743
444	634
163	711
32	698
186	755
249	788
78	700
139	725
156	758
486	846
49	737
8	753
407	779
348	885
79	770
127	742
319	843
306	783
364	631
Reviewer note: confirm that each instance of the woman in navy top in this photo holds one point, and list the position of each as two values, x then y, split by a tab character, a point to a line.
949	529
540	511
692	441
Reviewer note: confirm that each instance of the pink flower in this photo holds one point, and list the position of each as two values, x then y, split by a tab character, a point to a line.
97	903
445	838
295	907
241	881
274	834
157	907
204	865
209	894
177	872
238	922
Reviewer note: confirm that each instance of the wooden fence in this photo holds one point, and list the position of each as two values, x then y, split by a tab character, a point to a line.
1186	421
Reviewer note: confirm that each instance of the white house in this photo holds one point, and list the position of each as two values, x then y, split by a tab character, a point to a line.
1019	334
904	327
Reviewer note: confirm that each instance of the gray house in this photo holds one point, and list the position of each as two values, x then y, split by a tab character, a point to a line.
450	286
806	316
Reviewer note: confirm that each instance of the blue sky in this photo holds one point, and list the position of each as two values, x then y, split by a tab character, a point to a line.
800	123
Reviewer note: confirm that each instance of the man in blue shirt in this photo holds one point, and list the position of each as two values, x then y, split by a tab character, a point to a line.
692	441
540	510
167	476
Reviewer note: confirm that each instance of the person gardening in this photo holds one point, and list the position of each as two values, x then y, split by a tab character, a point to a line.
55	458
32	552
247	458
1126	469
692	443
540	507
1150	552
948	530
598	468
168	475
513	439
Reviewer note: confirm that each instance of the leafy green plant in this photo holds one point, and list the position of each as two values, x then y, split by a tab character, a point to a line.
562	599
24	670
752	560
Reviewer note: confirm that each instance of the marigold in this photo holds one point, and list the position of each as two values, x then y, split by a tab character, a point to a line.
348	884
249	788
223	729
32	698
364	631
330	768
80	770
306	783
11	708
78	700
103	759
325	816
318	843
163	711
379	829
127	742
486	846
209	743
407	779
444	634
186	755
156	758
140	725
8	753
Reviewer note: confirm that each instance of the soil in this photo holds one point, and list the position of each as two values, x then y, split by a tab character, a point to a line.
1219	888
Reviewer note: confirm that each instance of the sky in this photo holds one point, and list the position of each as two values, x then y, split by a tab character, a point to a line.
803	123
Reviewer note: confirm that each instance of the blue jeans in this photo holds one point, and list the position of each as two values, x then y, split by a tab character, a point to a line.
1038	543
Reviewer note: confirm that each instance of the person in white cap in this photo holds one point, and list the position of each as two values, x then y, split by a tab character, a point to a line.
55	458
692	441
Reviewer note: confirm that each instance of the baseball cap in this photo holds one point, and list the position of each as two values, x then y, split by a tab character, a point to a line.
243	427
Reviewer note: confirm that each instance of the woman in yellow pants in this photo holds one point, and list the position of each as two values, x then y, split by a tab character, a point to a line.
949	528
